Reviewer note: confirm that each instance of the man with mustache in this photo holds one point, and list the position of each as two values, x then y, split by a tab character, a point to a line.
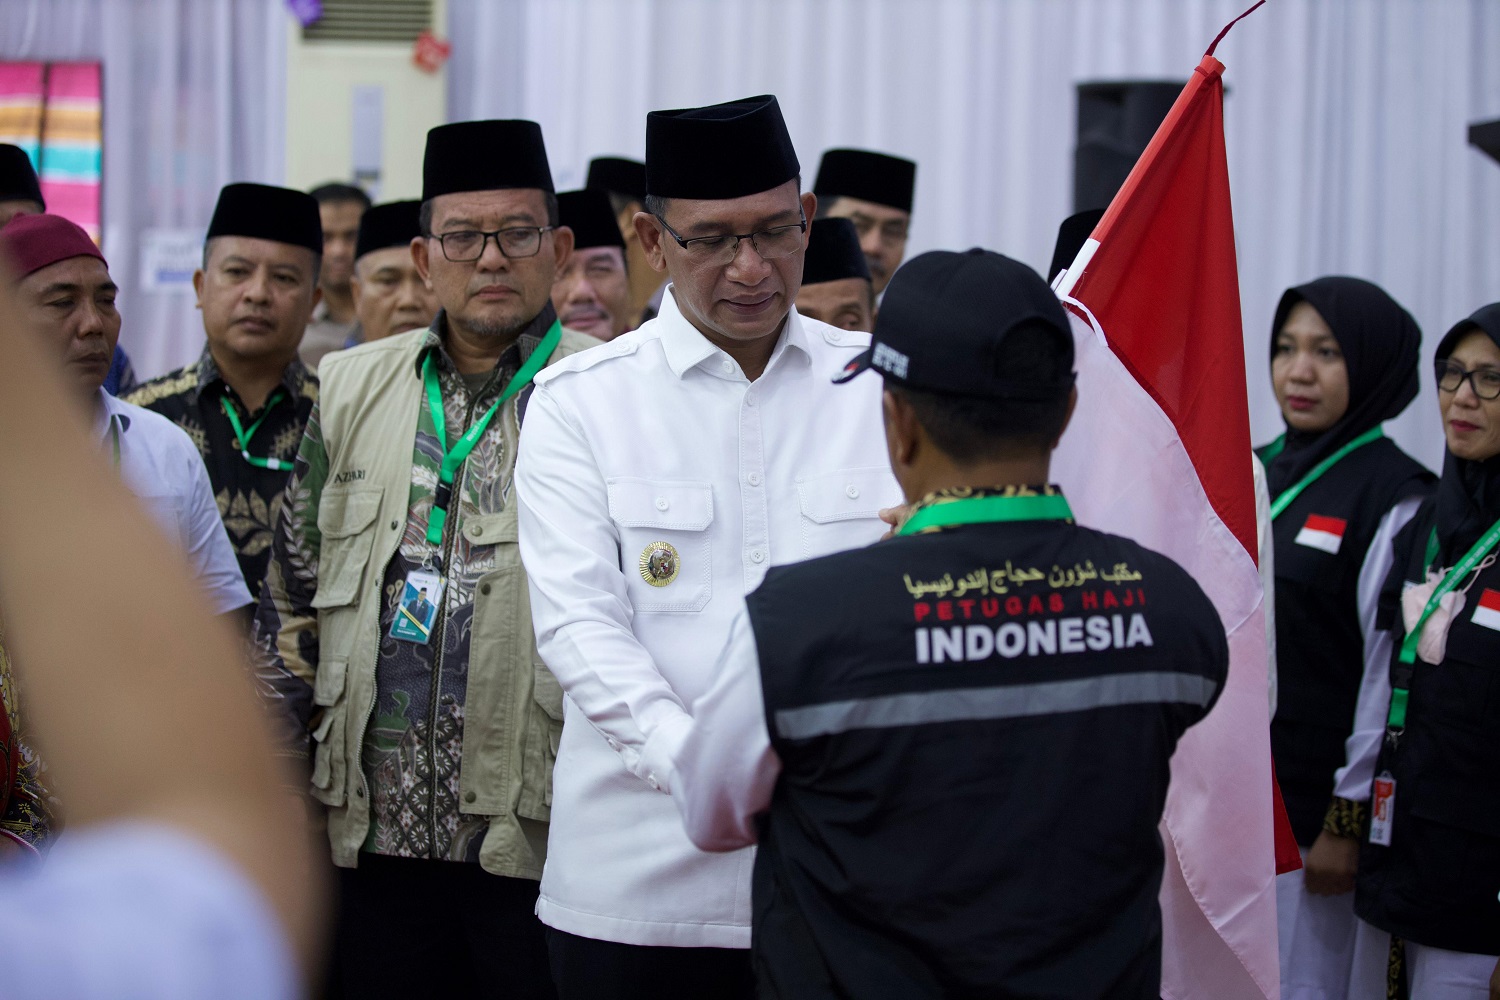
67	300
592	290
246	399
432	741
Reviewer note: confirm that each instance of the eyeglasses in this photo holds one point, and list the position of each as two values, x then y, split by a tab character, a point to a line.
780	241
468	245
891	231
1484	381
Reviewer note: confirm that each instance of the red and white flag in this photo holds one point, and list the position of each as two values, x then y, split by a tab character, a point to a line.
1487	611
1159	451
1319	532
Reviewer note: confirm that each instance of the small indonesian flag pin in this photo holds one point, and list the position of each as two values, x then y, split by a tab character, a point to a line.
1326	533
1487	611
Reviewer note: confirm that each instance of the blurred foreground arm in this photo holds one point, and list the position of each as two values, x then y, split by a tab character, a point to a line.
139	699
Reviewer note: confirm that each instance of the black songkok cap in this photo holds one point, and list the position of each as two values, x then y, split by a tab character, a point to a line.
588	214
268	213
859	173
944	316
719	152
394	224
18	179
485	156
617	175
1071	236
833	253
1486	135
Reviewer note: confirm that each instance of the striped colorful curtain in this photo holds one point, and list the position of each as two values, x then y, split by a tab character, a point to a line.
54	112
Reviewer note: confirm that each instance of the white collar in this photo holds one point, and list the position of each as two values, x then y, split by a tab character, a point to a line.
685	347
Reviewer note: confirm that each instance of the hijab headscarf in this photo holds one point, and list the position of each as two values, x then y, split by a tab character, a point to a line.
1381	345
1468	495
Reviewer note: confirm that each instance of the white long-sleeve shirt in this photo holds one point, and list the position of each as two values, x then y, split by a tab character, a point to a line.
160	465
1362	747
655	444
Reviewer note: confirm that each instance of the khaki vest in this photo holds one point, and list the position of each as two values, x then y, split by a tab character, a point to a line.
369	401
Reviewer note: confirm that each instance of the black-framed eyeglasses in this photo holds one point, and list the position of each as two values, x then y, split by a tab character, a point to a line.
778	241
467	245
1484	381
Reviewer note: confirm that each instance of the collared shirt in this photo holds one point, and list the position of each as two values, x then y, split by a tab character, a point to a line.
413	746
248	496
161	467
656	485
323	335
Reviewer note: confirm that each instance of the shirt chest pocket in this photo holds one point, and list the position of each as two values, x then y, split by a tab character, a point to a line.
664	542
346	522
841	510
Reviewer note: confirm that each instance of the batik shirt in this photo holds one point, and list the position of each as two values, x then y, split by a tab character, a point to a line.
413	744
27	816
248	495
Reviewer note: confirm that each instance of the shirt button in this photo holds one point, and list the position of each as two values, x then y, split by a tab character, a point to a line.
852	491
661	503
753	478
728	366
484	588
469	796
395	526
749	400
651	780
475	530
757	556
359	793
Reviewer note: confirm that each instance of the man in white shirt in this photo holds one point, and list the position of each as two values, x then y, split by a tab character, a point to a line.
66	298
660	475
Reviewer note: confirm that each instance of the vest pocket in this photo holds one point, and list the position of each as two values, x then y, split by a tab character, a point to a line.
346	521
543	733
329	765
664	545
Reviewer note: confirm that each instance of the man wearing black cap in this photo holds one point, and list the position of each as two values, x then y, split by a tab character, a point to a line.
390	296
432	741
952	747
20	190
624	180
592	290
836	286
874	191
246	399
660	476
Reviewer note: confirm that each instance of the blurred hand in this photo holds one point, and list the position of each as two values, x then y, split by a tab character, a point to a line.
1331	865
894	516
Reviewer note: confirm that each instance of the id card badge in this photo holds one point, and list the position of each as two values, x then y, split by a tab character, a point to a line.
1382	802
418	609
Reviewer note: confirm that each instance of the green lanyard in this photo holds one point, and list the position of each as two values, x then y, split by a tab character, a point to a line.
1284	501
242	436
453	458
1401	677
977	510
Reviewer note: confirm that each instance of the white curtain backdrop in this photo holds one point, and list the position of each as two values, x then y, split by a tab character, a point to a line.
194	98
1346	120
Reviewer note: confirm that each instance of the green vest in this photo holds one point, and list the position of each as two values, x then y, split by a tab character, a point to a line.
369	400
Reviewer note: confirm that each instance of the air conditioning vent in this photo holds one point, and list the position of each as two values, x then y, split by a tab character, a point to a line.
382	21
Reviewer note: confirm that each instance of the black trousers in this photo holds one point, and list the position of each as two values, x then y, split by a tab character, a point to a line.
586	969
410	928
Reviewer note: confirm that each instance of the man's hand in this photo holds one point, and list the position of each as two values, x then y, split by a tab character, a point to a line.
895	517
1331	864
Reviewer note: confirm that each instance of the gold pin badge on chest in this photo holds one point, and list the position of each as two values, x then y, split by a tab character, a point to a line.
659	564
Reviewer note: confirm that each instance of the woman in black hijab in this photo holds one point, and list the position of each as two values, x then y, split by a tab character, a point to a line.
1429	867
1344	358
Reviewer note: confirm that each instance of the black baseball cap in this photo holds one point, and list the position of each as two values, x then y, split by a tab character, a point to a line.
944	317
